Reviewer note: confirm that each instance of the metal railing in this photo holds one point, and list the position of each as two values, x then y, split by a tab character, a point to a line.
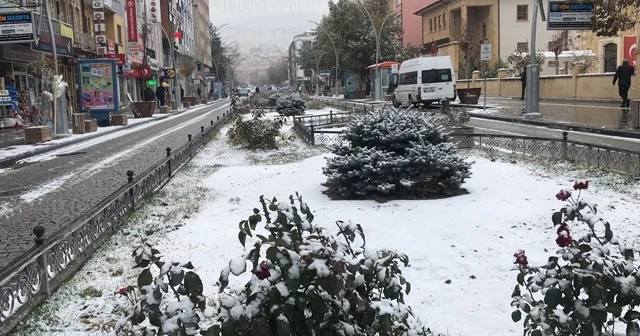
315	131
37	273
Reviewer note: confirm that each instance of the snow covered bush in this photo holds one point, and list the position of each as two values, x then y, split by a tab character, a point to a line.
255	133
169	297
313	104
304	281
290	105
395	154
588	287
273	99
235	102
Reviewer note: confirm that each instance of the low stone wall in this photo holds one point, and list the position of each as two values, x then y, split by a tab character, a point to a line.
575	86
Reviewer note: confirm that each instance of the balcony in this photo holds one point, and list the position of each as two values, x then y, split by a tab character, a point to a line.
83	41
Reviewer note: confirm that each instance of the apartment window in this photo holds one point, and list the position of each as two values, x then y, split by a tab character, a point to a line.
430	25
522	47
522	13
444	21
119	32
439	25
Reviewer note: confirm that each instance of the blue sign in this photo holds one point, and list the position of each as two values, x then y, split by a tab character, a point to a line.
98	88
568	15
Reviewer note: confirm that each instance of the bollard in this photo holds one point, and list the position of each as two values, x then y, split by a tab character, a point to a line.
131	194
565	146
169	160
211	122
38	231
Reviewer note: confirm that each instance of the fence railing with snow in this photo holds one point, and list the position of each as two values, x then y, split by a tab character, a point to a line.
35	275
604	157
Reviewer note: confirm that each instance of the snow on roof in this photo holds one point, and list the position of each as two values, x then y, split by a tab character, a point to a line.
570	53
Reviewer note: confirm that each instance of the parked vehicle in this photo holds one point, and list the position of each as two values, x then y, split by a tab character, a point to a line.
243	92
425	80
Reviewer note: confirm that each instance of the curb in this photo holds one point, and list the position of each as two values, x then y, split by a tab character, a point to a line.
10	161
566	127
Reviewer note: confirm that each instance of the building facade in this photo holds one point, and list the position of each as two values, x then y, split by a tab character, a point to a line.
296	70
411	24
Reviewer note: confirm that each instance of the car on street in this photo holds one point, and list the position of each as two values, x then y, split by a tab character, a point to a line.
244	92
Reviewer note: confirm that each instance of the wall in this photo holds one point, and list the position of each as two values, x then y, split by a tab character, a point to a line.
583	86
412	24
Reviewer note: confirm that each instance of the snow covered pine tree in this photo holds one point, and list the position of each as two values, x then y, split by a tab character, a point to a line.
395	154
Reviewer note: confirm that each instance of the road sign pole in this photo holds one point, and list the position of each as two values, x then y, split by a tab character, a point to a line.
484	74
485	56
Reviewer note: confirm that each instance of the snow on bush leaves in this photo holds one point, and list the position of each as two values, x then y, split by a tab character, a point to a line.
308	282
290	105
393	154
588	286
256	133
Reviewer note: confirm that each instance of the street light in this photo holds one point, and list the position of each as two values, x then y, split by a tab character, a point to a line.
335	50
176	95
378	36
218	62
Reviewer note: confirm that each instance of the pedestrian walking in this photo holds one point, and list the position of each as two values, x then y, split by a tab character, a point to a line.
160	94
148	94
523	79
181	93
199	92
623	77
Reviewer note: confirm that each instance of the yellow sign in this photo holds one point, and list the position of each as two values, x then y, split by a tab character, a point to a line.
171	74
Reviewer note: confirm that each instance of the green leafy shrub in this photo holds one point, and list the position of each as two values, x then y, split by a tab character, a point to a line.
315	105
393	154
307	282
273	99
255	133
290	105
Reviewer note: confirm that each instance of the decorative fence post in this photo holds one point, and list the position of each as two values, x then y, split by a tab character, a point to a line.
565	146
189	144
331	116
313	136
43	263
169	162
131	194
202	134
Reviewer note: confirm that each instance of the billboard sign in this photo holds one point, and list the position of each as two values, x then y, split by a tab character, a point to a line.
568	15
98	84
17	27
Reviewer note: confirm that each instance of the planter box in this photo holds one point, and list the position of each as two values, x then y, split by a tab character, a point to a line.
388	98
192	100
77	123
164	109
186	104
469	96
145	109
35	135
361	94
119	119
461	136
90	125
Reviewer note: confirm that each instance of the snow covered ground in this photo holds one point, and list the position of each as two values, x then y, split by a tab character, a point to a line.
460	249
112	132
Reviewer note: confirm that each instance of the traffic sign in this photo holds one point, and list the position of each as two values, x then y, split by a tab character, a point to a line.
485	52
394	68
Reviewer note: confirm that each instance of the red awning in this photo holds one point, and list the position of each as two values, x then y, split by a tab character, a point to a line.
383	65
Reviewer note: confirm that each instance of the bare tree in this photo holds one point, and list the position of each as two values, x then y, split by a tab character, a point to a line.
559	43
470	42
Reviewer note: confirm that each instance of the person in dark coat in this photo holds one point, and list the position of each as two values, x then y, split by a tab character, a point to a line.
181	93
199	92
148	94
523	79
160	94
623	77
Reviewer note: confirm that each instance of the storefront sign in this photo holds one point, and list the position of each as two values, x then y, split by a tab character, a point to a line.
120	59
138	71
97	82
153	63
630	48
568	15
18	53
62	33
17	27
132	21
152	82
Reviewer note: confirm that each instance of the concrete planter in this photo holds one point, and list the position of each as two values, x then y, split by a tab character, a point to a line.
119	119
469	96
90	125
462	136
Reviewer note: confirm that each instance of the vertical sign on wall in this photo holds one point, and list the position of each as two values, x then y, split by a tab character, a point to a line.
132	21
154	11
630	47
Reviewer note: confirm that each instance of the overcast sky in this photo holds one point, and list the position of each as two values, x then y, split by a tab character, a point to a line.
265	22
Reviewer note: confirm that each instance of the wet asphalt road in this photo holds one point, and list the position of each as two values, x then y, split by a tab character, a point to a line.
54	190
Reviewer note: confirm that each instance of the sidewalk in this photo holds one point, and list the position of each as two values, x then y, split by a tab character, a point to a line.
14	149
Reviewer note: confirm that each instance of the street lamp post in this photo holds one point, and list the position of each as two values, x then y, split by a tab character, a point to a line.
176	94
318	58
378	36
532	106
335	50
218	62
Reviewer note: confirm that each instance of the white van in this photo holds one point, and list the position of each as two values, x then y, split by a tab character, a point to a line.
425	80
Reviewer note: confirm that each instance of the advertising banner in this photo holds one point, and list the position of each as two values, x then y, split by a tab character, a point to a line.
98	86
17	27
630	47
569	15
132	21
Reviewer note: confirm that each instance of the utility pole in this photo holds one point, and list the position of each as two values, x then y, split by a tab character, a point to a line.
335	50
60	126
532	104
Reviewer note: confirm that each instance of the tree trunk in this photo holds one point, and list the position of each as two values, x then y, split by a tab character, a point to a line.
557	64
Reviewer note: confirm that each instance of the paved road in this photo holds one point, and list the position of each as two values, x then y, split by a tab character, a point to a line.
55	190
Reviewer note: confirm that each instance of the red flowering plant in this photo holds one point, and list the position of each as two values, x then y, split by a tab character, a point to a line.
588	287
305	281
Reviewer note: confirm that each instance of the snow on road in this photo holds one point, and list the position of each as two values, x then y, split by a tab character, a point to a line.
460	248
89	170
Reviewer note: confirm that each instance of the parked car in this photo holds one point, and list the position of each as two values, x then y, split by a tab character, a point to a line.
425	80
243	92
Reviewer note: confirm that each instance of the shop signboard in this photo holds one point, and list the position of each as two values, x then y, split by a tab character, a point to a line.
18	53
569	15
17	27
132	21
98	86
121	59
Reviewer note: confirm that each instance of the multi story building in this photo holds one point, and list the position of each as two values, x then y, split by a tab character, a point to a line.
296	70
202	42
411	24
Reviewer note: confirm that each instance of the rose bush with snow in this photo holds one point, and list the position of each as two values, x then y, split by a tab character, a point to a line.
588	287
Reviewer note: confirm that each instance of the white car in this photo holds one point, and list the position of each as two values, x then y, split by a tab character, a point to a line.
425	80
